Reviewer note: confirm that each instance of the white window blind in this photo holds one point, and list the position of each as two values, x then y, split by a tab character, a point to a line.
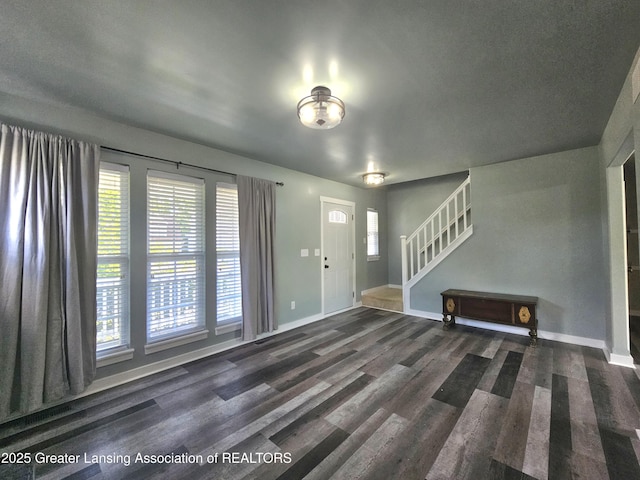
175	255
337	216
112	297
228	284
373	247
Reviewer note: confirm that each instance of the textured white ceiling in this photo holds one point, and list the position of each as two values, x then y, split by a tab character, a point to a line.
431	87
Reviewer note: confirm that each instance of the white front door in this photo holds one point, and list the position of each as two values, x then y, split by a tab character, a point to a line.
337	255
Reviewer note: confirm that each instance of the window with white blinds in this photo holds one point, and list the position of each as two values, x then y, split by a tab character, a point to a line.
228	284
373	246
112	293
175	255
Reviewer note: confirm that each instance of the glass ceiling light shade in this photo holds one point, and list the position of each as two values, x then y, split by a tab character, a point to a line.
320	110
373	178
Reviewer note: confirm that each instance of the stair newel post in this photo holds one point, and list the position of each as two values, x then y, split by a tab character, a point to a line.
403	258
405	273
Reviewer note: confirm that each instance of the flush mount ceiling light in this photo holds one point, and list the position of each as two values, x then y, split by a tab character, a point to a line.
320	110
373	178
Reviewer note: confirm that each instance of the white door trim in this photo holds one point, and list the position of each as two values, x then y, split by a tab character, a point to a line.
348	203
618	338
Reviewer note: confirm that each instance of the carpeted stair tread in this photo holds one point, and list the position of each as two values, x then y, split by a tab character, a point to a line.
384	298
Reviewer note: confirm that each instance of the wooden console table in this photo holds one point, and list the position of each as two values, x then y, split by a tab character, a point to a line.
514	310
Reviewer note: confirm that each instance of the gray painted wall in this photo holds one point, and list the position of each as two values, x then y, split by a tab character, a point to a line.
537	231
297	223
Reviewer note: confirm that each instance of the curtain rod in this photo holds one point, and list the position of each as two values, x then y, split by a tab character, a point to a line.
175	162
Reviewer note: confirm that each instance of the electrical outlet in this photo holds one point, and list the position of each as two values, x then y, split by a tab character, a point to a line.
293	305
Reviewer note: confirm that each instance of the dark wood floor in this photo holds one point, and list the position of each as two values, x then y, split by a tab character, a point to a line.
362	395
634	334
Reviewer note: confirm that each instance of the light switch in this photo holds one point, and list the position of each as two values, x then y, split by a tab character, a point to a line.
304	252
316	252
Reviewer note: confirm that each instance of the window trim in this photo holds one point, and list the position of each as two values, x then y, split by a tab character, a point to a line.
166	343
114	355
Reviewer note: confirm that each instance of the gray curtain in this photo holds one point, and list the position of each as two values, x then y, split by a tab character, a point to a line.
48	201
257	212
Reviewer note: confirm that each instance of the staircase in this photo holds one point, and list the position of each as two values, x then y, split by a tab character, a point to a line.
436	238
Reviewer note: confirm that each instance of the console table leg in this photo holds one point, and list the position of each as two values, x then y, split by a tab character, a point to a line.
449	321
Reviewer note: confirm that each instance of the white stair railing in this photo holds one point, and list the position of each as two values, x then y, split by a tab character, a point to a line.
440	234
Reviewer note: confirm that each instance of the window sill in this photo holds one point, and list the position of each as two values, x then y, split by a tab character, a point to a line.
229	327
110	357
175	342
373	258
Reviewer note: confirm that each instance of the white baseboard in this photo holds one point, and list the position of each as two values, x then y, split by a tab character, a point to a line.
298	323
575	340
423	314
616	359
117	379
559	337
140	372
371	290
156	367
136	373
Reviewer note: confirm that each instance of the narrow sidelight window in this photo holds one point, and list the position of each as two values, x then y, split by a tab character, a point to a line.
373	245
112	296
